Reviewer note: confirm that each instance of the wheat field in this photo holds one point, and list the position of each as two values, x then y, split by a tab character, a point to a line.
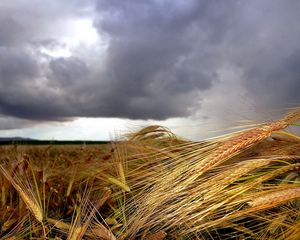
154	185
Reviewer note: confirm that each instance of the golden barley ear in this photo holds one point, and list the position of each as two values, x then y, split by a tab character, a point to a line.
274	198
26	189
189	192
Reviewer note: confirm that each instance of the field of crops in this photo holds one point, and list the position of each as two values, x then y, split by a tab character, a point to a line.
154	185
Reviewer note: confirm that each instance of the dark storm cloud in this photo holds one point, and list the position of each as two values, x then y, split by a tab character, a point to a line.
155	62
16	67
7	36
279	86
26	87
21	92
68	71
161	56
268	52
7	123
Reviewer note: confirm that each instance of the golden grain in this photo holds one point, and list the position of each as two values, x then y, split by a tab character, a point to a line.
274	198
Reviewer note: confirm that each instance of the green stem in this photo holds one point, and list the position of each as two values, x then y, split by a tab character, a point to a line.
288	134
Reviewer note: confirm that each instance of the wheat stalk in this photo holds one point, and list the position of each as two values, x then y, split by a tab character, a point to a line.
245	140
25	194
160	235
157	203
274	198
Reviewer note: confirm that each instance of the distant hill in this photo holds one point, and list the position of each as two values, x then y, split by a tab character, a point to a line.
30	141
6	139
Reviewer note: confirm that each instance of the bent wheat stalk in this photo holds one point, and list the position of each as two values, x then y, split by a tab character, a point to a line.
245	140
26	195
274	198
159	201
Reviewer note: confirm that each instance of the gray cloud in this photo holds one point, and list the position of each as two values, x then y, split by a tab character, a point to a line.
16	67
279	86
25	21
68	71
268	53
161	57
8	123
154	60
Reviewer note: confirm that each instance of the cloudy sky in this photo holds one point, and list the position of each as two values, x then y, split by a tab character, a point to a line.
91	69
